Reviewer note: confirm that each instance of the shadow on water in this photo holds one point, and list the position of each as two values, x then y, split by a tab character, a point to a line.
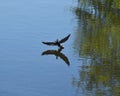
57	53
97	42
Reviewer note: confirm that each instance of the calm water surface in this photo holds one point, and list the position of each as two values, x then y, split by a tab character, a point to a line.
93	48
24	25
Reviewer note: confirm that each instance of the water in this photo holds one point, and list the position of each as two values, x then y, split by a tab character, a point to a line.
92	49
98	45
24	25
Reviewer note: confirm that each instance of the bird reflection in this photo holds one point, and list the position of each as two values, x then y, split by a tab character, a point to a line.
57	53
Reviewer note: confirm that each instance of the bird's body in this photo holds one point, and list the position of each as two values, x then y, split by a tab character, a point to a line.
57	42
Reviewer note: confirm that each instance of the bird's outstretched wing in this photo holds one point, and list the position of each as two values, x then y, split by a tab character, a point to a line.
64	39
49	43
58	54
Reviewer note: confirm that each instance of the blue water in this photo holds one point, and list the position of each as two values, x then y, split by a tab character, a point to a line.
24	24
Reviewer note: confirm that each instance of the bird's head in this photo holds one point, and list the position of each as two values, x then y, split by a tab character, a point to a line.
57	41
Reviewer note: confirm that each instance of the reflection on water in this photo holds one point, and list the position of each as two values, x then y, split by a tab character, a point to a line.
57	53
98	44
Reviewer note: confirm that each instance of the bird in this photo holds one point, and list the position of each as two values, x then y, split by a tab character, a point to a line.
58	42
57	53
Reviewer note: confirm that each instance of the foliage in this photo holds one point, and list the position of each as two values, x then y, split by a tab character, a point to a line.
98	39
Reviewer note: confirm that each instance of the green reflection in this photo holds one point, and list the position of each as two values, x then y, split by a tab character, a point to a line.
98	43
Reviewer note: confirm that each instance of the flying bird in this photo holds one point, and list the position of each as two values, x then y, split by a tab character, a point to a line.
58	42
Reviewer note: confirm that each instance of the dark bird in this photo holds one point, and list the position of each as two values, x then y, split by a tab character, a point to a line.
57	42
57	53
